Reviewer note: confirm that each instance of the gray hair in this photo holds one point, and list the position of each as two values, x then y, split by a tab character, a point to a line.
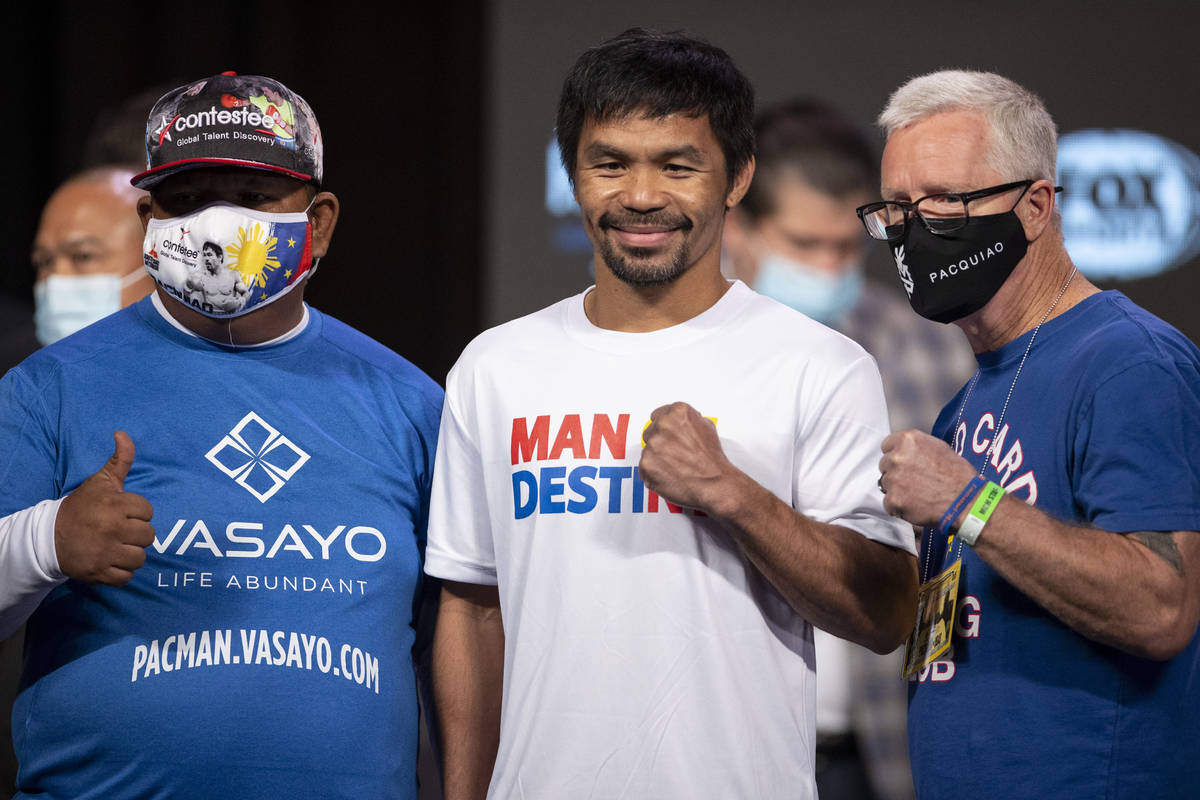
1023	136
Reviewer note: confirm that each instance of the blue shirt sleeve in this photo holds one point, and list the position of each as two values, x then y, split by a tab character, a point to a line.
28	455
1136	452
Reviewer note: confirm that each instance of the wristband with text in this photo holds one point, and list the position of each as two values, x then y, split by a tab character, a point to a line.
960	502
980	513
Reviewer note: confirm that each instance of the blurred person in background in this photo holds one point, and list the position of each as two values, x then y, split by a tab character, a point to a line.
87	258
87	254
795	237
114	150
115	140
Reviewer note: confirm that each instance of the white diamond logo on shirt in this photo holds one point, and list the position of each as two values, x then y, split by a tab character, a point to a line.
257	456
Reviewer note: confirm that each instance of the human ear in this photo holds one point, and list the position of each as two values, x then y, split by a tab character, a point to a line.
323	215
741	184
1037	209
145	208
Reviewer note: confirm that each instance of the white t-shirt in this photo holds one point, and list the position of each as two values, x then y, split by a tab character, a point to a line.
644	656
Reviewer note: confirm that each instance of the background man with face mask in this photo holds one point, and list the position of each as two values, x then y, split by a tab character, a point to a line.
257	638
795	237
640	516
88	253
1069	465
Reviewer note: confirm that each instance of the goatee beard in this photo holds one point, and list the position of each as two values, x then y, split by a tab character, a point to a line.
624	268
624	265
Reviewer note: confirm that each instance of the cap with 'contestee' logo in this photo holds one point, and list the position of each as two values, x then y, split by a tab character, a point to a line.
234	121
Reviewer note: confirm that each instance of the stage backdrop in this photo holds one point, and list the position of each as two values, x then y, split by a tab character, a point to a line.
1131	210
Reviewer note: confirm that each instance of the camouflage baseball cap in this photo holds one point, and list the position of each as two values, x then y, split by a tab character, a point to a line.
232	120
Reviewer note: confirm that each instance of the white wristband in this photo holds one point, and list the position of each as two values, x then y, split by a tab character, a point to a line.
980	513
970	529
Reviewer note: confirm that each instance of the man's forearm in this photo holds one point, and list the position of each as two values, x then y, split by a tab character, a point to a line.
839	580
468	675
1110	587
28	563
835	578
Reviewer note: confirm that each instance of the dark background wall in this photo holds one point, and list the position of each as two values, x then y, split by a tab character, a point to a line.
436	116
1097	64
398	97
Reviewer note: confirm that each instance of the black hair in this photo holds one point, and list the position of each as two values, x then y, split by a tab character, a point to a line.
216	248
813	141
118	136
657	74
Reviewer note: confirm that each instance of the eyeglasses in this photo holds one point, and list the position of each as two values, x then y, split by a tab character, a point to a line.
942	213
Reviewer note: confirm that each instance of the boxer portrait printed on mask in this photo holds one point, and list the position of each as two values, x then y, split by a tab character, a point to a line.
213	284
222	598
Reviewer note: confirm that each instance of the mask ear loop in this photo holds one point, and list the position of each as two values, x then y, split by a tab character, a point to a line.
130	278
313	267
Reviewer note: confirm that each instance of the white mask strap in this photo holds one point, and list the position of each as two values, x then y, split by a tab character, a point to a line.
130	278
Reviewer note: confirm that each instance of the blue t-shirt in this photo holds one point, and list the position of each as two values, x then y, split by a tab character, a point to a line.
1103	429
265	647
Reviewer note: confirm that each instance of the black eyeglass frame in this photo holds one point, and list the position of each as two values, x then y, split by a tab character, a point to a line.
944	225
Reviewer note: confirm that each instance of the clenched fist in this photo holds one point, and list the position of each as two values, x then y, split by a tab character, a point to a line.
102	532
920	476
683	461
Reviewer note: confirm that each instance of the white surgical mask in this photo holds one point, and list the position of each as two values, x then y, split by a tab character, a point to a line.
816	293
224	260
62	304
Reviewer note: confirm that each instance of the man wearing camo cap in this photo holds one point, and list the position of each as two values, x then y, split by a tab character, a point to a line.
230	610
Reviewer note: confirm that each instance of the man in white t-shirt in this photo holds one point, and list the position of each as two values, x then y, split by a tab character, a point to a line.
638	524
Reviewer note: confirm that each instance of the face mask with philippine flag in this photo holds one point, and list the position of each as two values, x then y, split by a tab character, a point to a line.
224	260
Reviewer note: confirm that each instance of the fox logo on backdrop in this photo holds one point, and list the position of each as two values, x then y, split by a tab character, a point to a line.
1131	205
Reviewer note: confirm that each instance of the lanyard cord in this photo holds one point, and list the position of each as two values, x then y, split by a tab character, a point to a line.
999	423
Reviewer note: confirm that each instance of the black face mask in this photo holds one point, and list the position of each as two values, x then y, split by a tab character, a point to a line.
948	276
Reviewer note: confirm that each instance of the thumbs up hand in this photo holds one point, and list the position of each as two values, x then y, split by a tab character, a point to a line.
102	531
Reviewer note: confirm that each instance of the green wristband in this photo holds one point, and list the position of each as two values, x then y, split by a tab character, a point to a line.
980	513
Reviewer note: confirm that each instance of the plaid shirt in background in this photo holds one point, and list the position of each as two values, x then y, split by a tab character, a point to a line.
922	364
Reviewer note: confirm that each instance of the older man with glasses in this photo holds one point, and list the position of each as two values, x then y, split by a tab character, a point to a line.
1056	654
